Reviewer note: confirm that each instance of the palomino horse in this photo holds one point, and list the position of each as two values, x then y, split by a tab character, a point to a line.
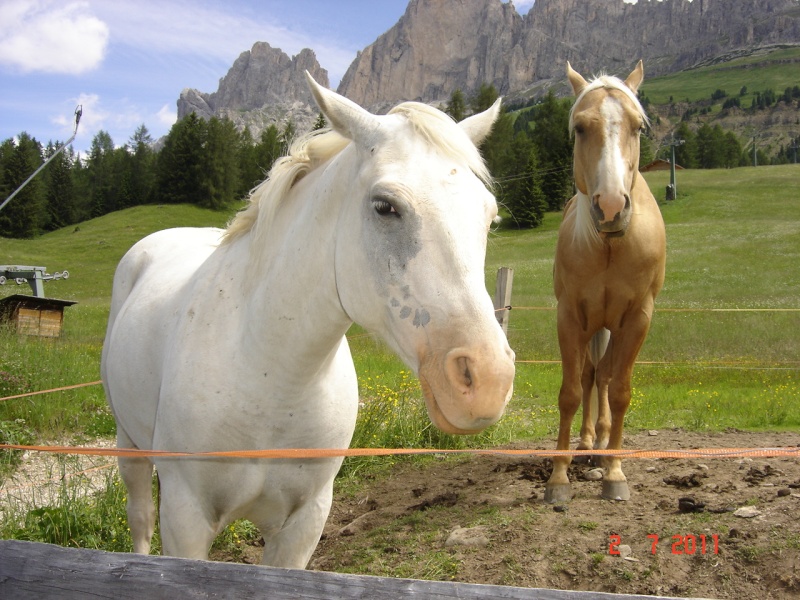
609	267
235	340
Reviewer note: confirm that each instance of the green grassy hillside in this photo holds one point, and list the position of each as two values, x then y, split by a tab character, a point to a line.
723	349
775	68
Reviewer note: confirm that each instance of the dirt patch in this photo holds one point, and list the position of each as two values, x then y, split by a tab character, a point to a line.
41	477
715	528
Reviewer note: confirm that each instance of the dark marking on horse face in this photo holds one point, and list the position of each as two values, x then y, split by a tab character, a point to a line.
421	317
405	312
394	302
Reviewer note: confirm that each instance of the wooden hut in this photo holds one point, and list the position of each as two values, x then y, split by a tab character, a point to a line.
34	316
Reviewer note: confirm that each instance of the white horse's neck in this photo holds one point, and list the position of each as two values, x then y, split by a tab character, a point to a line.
292	296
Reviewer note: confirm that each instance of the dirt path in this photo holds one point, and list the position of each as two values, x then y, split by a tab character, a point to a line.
703	548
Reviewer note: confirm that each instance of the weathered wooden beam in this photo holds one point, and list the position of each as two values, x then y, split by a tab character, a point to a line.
43	571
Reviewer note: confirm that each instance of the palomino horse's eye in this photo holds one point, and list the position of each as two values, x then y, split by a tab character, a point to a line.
579	129
384	207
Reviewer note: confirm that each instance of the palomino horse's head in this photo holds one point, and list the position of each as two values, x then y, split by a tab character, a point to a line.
410	251
607	119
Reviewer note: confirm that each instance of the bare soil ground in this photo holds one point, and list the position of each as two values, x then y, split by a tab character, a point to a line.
680	534
704	547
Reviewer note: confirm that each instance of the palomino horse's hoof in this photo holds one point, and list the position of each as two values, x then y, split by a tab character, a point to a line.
556	494
616	490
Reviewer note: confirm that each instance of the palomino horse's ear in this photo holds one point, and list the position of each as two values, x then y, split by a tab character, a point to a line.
634	80
345	116
576	80
478	127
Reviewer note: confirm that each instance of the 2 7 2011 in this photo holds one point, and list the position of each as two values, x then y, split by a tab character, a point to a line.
688	544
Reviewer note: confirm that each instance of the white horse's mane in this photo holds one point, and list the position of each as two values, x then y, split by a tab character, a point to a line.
583	231
317	147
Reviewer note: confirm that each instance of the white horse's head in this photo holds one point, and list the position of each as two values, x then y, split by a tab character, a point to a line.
607	119
411	248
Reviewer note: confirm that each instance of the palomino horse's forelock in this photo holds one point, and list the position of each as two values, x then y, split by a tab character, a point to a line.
608	82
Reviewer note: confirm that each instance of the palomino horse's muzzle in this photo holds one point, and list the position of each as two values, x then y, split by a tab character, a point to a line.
611	213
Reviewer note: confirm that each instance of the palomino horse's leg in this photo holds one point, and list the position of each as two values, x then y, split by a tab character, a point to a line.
596	417
137	474
602	381
573	355
623	350
590	407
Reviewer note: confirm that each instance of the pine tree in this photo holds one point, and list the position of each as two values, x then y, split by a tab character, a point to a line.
268	150
220	180
179	171
457	107
25	215
550	134
104	188
142	167
320	123
60	193
521	193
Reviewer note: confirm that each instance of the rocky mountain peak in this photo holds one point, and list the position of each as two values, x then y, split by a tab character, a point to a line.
264	86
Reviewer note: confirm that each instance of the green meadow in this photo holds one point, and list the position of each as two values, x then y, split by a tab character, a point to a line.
723	350
758	72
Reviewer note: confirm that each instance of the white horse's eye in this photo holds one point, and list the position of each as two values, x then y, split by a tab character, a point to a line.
384	207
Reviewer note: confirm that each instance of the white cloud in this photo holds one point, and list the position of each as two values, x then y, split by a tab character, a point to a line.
98	115
211	32
167	115
50	36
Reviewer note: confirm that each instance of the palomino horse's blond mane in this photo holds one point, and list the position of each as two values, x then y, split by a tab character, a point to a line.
584	232
316	147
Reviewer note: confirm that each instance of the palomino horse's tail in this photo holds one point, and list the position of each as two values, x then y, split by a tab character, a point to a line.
597	348
598	345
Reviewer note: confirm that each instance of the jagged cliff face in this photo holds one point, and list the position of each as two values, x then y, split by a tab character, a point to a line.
440	45
264	86
435	48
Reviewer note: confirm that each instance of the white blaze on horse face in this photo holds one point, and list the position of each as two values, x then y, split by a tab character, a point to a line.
611	193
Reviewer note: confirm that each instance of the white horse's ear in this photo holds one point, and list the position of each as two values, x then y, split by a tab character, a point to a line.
576	80
345	116
636	77
478	127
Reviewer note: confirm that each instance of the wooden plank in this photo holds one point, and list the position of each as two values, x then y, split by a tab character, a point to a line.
44	571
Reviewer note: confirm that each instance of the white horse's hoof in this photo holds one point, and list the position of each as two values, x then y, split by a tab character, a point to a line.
556	494
616	490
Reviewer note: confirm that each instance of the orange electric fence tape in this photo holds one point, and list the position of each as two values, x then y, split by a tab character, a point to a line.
289	453
61	389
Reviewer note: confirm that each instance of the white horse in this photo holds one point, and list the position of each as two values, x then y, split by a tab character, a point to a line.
231	340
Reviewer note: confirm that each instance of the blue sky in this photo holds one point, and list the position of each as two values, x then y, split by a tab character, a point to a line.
126	62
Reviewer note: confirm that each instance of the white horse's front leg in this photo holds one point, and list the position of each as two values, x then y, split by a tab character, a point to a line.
292	545
187	530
